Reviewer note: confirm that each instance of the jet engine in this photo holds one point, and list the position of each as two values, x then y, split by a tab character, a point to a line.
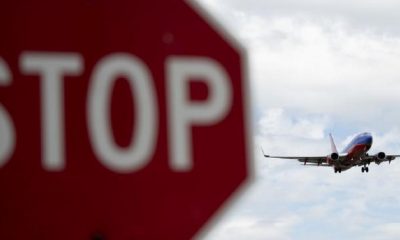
379	157
334	156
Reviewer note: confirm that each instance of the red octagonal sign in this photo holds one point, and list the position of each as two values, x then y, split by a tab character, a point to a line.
118	119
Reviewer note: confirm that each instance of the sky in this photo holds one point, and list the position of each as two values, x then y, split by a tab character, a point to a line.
317	67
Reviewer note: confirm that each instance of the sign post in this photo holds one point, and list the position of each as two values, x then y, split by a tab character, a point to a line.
118	119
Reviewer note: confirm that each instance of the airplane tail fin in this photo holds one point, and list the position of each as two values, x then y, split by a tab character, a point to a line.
333	146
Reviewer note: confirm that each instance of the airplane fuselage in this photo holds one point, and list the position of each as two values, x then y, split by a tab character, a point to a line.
355	150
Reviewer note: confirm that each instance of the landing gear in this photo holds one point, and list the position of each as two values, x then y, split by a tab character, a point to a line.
364	169
338	170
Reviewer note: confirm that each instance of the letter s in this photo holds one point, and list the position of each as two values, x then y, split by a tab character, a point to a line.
7	132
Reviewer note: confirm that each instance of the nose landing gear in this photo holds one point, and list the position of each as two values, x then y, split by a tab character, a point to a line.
364	169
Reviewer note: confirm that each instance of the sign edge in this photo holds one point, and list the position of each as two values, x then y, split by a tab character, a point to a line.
217	216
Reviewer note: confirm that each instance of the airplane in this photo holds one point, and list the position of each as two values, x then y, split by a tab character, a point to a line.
354	154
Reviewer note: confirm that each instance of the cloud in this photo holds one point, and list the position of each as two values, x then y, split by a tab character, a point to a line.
327	71
275	123
388	142
324	66
386	231
256	228
379	16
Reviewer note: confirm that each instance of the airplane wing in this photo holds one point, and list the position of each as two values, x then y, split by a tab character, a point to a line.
391	157
314	159
369	159
311	160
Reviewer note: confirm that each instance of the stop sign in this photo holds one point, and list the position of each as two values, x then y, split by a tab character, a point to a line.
118	119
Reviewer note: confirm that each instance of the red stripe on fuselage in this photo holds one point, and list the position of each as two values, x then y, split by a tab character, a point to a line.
355	153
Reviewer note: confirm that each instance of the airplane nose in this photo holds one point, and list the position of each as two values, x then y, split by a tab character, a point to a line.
368	140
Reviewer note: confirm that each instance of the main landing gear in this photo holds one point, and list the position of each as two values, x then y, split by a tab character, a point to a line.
364	169
338	170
